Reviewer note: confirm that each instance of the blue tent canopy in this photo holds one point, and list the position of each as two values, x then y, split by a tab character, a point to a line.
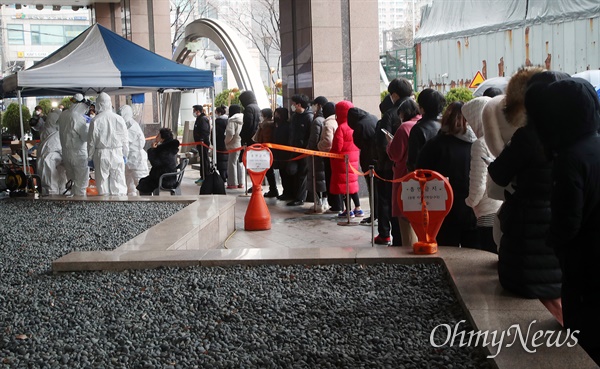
100	60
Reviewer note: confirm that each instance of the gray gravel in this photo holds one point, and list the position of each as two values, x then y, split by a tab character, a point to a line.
338	316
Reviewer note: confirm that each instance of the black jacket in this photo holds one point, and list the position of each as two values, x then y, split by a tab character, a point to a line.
202	129
300	128
451	157
424	130
363	124
281	136
220	126
163	159
575	227
389	121
251	117
527	266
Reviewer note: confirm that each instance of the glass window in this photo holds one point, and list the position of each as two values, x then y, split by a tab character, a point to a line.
42	34
71	32
15	34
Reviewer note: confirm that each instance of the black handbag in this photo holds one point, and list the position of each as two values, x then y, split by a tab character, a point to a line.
213	184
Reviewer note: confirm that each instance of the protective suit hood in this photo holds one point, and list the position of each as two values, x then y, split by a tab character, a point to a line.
127	113
103	103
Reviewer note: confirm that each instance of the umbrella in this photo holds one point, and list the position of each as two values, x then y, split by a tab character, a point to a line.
498	82
592	76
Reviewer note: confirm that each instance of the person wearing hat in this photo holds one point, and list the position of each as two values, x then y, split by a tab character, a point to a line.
73	134
202	134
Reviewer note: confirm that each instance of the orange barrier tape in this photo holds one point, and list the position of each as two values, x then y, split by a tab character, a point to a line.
358	172
304	151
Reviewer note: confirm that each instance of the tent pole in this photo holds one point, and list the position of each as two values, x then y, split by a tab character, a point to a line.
214	130
23	147
160	111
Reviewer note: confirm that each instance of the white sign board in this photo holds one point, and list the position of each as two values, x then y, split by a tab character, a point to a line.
258	161
435	195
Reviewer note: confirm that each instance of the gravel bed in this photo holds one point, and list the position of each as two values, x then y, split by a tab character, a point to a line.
336	316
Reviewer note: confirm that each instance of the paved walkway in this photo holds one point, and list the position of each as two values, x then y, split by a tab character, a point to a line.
291	226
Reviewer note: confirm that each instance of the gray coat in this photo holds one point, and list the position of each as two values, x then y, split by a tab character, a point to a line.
316	128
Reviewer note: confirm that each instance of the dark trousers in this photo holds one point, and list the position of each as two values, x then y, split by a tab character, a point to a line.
580	312
334	201
372	195
485	236
286	181
222	168
299	181
271	180
387	225
455	235
204	161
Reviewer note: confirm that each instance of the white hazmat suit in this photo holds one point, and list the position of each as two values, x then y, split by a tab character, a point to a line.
108	147
137	160
49	164
73	133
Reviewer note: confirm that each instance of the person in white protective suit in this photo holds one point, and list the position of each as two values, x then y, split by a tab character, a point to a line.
73	133
108	147
49	163
137	160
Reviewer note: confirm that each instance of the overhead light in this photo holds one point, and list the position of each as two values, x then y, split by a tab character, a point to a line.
56	7
39	7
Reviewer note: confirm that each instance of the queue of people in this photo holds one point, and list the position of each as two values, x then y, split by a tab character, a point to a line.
525	185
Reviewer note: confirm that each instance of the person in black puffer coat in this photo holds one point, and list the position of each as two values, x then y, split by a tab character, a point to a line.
569	131
527	266
363	124
251	117
222	155
163	158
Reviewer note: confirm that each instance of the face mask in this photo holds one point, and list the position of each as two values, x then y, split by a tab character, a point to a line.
195	115
37	112
293	107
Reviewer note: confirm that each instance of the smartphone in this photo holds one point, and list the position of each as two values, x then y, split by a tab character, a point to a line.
387	133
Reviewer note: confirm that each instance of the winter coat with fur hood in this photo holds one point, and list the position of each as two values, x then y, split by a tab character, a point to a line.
526	265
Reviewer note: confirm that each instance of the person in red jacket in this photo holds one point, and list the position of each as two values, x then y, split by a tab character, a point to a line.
344	144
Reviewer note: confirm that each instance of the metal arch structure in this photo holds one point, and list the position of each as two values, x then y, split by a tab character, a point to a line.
238	58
